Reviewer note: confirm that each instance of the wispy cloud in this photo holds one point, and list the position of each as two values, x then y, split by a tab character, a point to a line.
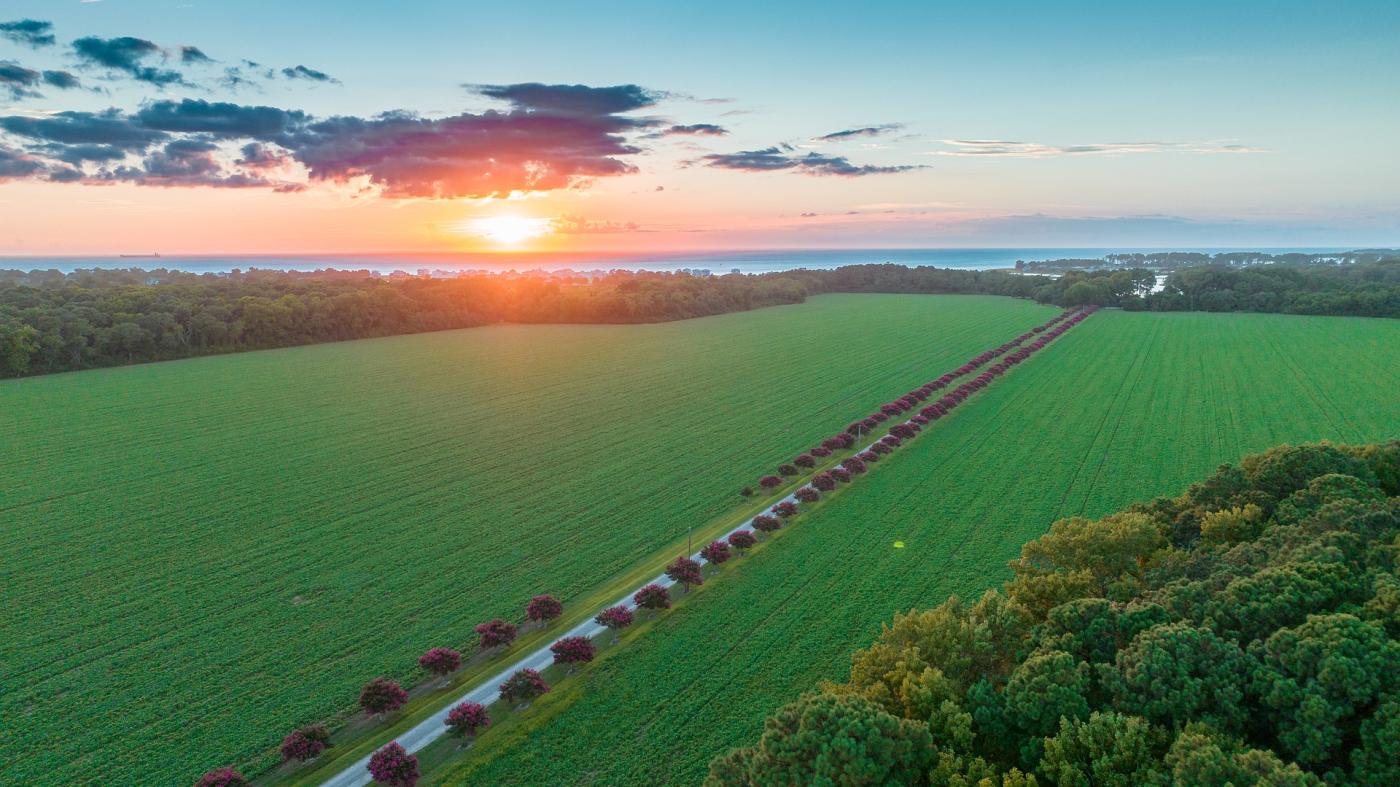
1010	149
853	133
781	158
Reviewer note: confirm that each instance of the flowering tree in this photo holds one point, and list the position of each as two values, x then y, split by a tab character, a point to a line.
770	482
853	465
824	481
742	540
615	618
440	661
572	650
821	451
841	474
523	686
765	523
807	494
715	552
394	766
785	509
880	448
685	571
652	597
381	696
544	608
869	456
804	460
495	633
222	777
305	743
466	719
787	470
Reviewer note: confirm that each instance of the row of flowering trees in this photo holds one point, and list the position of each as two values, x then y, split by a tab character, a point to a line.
1014	351
1010	354
395	766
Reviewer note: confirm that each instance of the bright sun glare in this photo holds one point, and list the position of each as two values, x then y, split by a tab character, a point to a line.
507	230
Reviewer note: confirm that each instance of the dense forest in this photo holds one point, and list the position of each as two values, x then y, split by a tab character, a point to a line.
1173	260
1363	289
1246	632
51	321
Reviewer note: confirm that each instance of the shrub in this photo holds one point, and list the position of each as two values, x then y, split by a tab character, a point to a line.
523	686
381	696
544	608
746	491
765	523
466	719
824	482
573	650
653	597
742	540
306	742
715	552
785	509
685	571
770	482
440	661
495	633
394	766
222	777
787	470
615	618
807	494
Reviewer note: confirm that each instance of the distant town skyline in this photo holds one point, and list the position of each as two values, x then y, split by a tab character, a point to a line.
211	128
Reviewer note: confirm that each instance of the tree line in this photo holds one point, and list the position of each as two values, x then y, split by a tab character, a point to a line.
1246	632
54	322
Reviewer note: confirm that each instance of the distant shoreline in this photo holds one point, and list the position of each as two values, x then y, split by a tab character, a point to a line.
720	262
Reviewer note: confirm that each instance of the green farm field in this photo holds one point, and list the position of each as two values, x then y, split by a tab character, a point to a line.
200	555
1125	407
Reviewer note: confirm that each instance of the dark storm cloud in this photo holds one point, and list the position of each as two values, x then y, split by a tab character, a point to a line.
64	80
127	55
218	118
83	128
30	32
18	81
868	131
574	100
784	159
302	72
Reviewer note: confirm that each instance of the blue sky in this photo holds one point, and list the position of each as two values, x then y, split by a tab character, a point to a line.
1245	123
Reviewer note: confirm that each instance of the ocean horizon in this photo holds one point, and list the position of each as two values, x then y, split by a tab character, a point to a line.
717	262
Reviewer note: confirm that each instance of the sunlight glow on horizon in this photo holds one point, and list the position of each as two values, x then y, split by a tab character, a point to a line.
509	231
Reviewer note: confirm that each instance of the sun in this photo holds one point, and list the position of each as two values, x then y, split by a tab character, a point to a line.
507	230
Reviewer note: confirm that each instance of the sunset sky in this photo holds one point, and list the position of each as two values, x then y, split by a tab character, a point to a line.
195	126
